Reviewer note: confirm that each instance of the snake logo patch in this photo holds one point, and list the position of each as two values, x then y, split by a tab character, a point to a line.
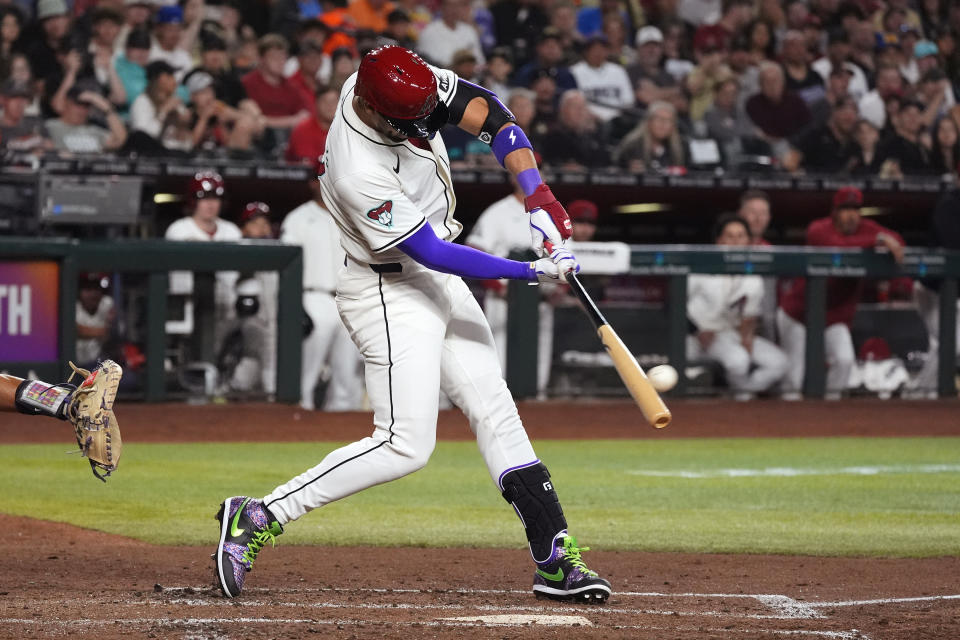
383	213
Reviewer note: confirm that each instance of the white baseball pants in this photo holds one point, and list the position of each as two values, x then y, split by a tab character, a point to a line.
750	371
838	347
419	331
329	344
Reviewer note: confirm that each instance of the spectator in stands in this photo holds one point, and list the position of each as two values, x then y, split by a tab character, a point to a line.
167	46
54	20
762	45
727	121
136	17
563	18
936	94
736	15
370	14
214	123
867	162
399	30
496	74
518	25
838	55
451	31
800	78
158	116
649	79
838	87
655	144
305	79
226	82
578	140
283	106
873	105
605	84
698	12
131	67
831	147
945	151
105	30
676	55
343	64
316	32
862	45
11	27
549	59
464	64
19	132
590	18
523	105
95	315
777	112
711	69
309	138
724	311
904	150
616	34
843	228
73	132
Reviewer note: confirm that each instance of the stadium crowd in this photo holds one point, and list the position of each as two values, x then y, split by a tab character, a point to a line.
864	87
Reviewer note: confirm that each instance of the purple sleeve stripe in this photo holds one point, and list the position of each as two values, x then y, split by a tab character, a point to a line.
426	248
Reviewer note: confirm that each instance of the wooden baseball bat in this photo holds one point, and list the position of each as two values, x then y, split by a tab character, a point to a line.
636	381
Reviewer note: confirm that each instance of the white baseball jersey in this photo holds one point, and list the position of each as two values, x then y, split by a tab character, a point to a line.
312	227
181	282
381	191
607	85
88	349
420	332
721	302
503	227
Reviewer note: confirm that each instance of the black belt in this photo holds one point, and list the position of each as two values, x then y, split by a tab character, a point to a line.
387	267
329	292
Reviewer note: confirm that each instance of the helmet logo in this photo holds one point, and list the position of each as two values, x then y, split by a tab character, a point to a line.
382	213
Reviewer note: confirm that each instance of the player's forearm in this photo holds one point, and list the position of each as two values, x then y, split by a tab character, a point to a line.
426	248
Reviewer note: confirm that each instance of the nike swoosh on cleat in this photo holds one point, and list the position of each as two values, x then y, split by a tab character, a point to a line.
234	531
556	577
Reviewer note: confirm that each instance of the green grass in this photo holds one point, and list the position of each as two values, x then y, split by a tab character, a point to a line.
168	493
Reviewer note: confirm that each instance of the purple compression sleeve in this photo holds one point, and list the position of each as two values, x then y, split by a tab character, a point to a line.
426	248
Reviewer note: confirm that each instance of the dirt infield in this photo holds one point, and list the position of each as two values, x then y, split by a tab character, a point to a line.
61	581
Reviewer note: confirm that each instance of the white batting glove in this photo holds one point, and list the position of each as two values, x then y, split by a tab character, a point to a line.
543	230
552	269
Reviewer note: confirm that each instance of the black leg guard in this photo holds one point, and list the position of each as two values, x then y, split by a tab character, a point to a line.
531	493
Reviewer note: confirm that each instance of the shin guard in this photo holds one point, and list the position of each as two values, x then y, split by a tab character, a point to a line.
531	493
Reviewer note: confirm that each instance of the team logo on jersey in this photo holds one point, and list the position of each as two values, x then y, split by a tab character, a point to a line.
382	213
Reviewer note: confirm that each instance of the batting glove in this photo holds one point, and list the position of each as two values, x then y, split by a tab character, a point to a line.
549	221
552	269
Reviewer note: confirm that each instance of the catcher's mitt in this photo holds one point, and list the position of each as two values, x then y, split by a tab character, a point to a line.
90	409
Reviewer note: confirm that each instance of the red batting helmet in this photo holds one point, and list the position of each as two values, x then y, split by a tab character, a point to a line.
206	184
400	86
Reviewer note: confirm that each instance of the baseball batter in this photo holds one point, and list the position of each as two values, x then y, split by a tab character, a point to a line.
386	180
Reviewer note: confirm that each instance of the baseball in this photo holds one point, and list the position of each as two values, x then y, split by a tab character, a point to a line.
663	377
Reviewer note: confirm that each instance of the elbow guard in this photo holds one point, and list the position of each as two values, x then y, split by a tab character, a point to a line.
497	113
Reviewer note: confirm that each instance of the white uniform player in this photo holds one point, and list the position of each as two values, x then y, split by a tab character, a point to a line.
418	327
311	226
725	310
500	230
205	196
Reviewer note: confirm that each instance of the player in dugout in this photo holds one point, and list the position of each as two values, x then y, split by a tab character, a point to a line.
386	180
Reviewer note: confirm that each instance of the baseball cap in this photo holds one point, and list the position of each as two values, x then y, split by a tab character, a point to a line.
199	81
925	48
582	211
13	89
848	198
158	67
212	41
397	16
649	34
94	280
75	94
169	15
51	9
550	33
254	210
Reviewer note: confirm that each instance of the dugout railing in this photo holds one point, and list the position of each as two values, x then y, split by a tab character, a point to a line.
154	259
675	262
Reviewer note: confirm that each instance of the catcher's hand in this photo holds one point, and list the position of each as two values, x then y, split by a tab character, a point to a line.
90	409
